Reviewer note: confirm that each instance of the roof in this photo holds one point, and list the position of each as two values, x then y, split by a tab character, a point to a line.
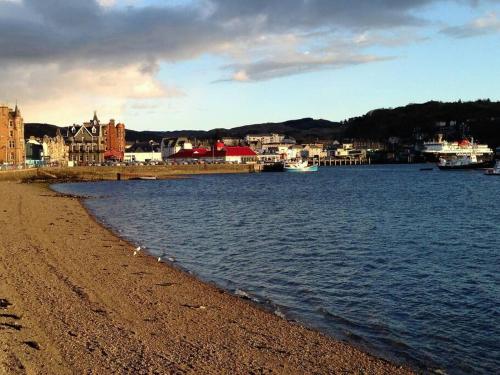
144	147
224	152
239	151
190	153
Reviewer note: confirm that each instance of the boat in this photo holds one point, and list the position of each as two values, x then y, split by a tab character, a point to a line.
144	178
463	162
444	149
273	167
300	166
495	171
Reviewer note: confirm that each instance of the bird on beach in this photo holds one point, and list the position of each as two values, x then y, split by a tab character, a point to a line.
138	249
135	252
159	259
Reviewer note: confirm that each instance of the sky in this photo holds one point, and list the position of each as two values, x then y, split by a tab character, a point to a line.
204	64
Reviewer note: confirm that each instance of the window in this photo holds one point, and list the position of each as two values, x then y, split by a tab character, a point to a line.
11	133
11	123
94	130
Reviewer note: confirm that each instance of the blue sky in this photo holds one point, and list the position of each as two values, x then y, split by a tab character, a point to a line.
201	64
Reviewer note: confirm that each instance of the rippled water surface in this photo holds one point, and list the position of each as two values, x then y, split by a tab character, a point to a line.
400	262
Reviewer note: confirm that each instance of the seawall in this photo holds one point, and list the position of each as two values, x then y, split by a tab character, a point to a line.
111	173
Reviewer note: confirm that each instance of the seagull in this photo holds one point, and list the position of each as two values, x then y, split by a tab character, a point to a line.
171	259
159	259
138	249
135	252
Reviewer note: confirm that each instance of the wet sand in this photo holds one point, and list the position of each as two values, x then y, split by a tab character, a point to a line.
75	300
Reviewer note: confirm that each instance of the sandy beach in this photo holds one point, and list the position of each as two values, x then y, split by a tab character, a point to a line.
75	300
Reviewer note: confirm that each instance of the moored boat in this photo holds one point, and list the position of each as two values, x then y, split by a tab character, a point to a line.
444	149
495	171
301	166
463	162
273	167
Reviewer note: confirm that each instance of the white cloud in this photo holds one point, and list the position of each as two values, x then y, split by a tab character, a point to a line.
488	24
50	92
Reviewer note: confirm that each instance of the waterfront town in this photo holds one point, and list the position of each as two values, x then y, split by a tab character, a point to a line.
99	143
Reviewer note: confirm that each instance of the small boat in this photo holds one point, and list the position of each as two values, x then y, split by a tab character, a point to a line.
495	171
300	166
144	178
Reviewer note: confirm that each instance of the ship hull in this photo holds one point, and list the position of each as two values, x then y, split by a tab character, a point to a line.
485	164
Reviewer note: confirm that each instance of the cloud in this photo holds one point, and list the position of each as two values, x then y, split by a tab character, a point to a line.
488	24
296	64
112	49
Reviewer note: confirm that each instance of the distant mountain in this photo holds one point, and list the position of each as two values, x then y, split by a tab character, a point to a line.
479	119
304	130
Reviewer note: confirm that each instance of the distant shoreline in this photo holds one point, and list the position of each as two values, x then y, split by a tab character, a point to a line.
86	302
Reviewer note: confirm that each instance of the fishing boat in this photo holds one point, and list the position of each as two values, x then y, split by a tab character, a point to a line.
495	171
300	166
273	167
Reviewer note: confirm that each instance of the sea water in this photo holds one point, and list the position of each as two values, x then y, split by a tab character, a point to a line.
402	263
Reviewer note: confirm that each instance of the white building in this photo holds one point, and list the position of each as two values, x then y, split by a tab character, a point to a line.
171	146
143	152
264	138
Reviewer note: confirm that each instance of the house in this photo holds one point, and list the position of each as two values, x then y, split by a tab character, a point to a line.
264	138
143	152
171	146
313	150
94	142
294	152
55	149
34	152
218	153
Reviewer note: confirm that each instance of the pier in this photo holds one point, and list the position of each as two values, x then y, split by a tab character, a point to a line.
332	162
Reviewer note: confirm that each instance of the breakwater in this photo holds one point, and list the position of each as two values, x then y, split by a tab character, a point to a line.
125	172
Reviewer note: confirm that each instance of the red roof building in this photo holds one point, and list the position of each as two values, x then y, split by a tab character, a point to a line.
220	153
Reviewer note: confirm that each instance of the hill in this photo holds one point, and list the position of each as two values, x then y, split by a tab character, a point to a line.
479	119
304	130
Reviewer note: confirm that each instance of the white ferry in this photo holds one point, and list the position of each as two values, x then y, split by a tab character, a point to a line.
444	149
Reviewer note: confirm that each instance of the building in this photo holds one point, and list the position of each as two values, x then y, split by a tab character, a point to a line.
313	150
264	138
55	150
34	152
143	152
12	148
94	142
171	146
219	153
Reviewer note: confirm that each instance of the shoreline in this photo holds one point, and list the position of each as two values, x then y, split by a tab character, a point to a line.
87	303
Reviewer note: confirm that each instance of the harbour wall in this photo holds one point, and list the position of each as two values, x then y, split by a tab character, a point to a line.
124	172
